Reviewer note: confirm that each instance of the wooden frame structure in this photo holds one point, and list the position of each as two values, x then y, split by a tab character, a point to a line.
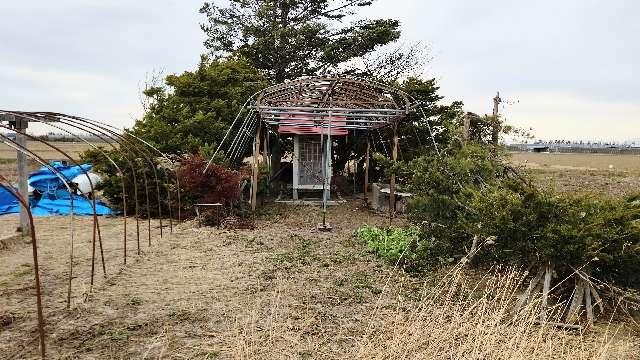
321	105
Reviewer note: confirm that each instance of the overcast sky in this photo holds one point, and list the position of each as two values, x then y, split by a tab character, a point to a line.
569	69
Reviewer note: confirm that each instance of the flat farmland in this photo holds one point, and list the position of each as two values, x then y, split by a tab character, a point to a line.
72	148
8	155
615	175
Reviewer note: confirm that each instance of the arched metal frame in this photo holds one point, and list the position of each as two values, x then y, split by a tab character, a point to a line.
142	151
24	203
314	102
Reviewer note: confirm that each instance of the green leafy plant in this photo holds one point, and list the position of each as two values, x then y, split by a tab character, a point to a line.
395	245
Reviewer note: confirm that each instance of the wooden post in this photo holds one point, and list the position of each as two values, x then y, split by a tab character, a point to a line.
256	170
366	172
21	125
495	134
392	183
467	127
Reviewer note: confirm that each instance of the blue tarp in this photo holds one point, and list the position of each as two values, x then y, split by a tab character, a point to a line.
45	180
59	203
8	203
55	199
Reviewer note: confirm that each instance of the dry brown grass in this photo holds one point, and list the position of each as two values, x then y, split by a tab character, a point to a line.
281	291
72	148
463	318
615	175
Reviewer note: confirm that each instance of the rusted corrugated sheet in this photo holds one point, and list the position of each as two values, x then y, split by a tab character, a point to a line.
311	125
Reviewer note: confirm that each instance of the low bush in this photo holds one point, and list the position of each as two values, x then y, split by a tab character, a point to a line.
469	200
218	184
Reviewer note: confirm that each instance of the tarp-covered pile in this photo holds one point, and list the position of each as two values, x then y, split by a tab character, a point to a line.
49	195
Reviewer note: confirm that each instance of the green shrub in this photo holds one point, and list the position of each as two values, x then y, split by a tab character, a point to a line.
596	233
469	194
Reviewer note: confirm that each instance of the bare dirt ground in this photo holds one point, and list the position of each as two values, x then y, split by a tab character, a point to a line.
283	290
615	175
200	292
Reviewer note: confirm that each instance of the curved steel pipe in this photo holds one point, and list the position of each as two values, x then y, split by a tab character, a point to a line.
65	181
129	144
96	224
135	181
120	173
4	183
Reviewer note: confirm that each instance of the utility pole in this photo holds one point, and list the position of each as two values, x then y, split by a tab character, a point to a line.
495	134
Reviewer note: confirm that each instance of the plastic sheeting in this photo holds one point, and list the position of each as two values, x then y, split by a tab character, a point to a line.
55	199
84	185
8	203
59	203
45	180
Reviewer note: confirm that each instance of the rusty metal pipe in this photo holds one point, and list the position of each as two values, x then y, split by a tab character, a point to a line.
36	269
65	181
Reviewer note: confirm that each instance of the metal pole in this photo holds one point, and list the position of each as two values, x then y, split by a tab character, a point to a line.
392	183
366	172
256	170
326	186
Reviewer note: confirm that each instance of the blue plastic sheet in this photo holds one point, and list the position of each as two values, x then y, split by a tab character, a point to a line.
59	203
55	198
8	203
45	180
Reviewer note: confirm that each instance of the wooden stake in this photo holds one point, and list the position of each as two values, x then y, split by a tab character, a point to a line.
526	296
588	305
576	303
366	172
545	293
256	170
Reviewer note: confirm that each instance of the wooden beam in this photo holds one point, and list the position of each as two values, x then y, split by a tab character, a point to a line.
256	171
